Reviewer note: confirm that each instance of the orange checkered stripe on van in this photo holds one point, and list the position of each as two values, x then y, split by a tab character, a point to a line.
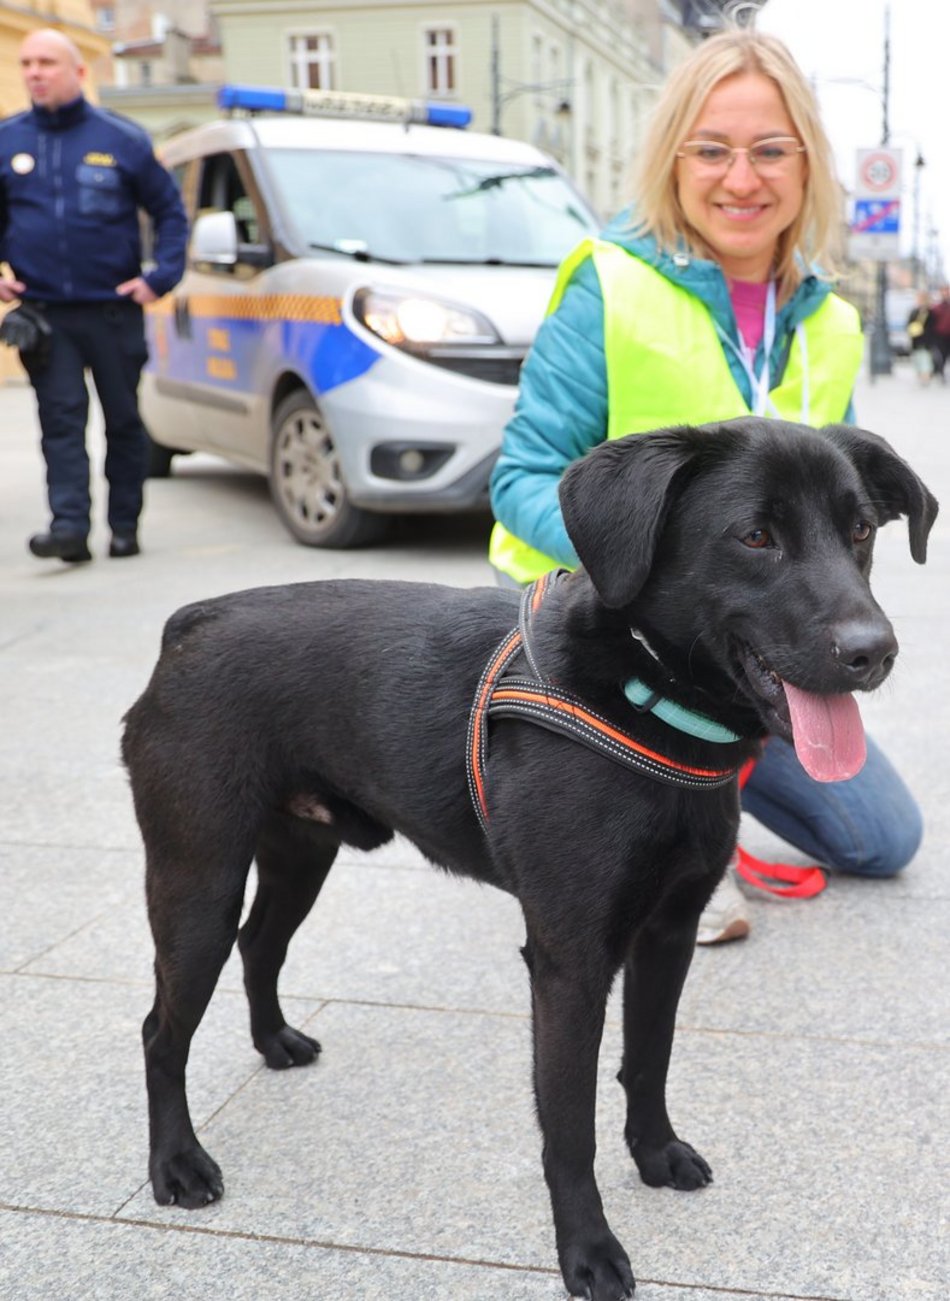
268	307
315	309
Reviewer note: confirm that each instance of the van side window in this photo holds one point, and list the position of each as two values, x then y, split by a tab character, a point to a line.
221	189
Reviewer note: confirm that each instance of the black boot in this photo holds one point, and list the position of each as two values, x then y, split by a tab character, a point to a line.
123	544
71	547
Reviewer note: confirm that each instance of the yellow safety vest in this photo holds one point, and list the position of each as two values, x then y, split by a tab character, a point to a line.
666	366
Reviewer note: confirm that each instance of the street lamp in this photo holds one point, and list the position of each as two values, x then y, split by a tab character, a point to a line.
554	89
880	350
919	166
557	90
880	358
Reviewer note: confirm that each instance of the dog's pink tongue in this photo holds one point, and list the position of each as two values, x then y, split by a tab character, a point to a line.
828	732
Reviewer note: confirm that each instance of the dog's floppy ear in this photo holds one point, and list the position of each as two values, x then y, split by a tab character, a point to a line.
892	484
615	501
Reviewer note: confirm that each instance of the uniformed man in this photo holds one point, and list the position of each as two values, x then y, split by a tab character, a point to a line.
73	178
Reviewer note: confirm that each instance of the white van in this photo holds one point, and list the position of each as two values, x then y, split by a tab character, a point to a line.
359	297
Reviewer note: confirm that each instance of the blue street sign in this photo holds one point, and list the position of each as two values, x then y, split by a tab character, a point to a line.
876	217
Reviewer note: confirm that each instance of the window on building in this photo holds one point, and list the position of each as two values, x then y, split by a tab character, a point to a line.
441	61
145	73
312	61
105	18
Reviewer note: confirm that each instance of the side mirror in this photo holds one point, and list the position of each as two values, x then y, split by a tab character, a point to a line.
214	239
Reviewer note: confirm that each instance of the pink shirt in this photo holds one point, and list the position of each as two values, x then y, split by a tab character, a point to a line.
748	303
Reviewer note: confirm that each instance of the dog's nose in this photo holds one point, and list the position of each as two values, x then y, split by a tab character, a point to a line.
865	649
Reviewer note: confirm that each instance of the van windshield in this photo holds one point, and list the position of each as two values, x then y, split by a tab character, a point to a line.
411	208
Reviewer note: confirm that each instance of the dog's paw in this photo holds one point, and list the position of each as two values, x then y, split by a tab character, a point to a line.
598	1270
288	1047
674	1165
190	1178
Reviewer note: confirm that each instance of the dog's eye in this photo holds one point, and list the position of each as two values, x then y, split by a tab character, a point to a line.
862	531
757	539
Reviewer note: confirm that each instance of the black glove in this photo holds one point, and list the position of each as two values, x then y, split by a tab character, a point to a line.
26	328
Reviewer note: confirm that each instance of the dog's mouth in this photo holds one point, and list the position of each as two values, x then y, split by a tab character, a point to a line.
826	731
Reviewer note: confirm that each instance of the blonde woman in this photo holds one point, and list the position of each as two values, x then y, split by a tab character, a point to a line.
710	298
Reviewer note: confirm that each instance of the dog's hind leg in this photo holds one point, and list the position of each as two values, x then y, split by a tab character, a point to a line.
569	1001
293	859
653	980
194	911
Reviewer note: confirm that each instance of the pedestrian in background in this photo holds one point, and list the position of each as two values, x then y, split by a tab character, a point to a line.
711	298
921	334
72	180
940	323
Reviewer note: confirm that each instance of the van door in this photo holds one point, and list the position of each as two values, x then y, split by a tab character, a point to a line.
217	320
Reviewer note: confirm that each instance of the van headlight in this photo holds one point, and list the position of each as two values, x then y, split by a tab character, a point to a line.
419	323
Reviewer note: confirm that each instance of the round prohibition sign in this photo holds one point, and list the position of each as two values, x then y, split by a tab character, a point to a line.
879	171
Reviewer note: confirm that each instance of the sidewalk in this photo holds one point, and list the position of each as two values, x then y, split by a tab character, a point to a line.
810	1066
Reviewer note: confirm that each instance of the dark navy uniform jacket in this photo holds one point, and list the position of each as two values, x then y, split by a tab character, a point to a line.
72	181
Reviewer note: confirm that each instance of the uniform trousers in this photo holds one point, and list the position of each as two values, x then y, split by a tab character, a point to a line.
108	340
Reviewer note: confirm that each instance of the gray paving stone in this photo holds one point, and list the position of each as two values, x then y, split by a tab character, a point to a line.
48	896
111	1261
857	962
415	1133
75	1134
381	934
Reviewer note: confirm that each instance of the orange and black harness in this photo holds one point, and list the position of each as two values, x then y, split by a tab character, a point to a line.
532	697
537	700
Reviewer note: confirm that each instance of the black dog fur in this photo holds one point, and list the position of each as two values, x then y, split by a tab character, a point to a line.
282	722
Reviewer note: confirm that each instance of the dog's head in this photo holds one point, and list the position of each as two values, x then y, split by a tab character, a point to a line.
743	550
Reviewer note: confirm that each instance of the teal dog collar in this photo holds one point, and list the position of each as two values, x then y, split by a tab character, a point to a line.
647	701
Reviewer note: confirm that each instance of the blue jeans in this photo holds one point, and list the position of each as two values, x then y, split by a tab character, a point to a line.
870	825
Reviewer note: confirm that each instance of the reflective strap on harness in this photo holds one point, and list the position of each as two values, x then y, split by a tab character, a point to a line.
536	700
561	711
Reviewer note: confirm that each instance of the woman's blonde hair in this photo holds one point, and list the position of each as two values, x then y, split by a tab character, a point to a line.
816	230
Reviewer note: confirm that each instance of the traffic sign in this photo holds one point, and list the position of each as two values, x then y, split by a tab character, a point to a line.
878	173
876	217
875	230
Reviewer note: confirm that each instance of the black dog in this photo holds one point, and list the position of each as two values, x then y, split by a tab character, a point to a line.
282	722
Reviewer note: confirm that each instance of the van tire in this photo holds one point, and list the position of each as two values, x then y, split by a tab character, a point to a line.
159	463
306	482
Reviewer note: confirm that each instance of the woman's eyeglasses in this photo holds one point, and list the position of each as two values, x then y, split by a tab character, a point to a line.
768	157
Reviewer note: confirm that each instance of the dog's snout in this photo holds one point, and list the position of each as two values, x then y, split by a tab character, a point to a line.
865	649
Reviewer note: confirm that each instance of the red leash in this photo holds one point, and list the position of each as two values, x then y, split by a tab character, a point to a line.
800	882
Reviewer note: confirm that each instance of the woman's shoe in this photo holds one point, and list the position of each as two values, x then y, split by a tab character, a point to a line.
724	918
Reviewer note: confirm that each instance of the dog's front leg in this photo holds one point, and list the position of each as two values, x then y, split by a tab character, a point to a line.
653	980
568	1005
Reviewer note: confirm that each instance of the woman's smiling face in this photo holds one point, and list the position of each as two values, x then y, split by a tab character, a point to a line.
739	214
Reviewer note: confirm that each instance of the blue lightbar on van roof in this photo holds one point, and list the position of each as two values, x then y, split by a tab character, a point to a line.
349	104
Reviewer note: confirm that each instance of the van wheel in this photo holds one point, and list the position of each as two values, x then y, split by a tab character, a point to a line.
159	460
306	484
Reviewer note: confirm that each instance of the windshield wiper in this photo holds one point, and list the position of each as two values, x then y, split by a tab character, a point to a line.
485	262
498	179
359	252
